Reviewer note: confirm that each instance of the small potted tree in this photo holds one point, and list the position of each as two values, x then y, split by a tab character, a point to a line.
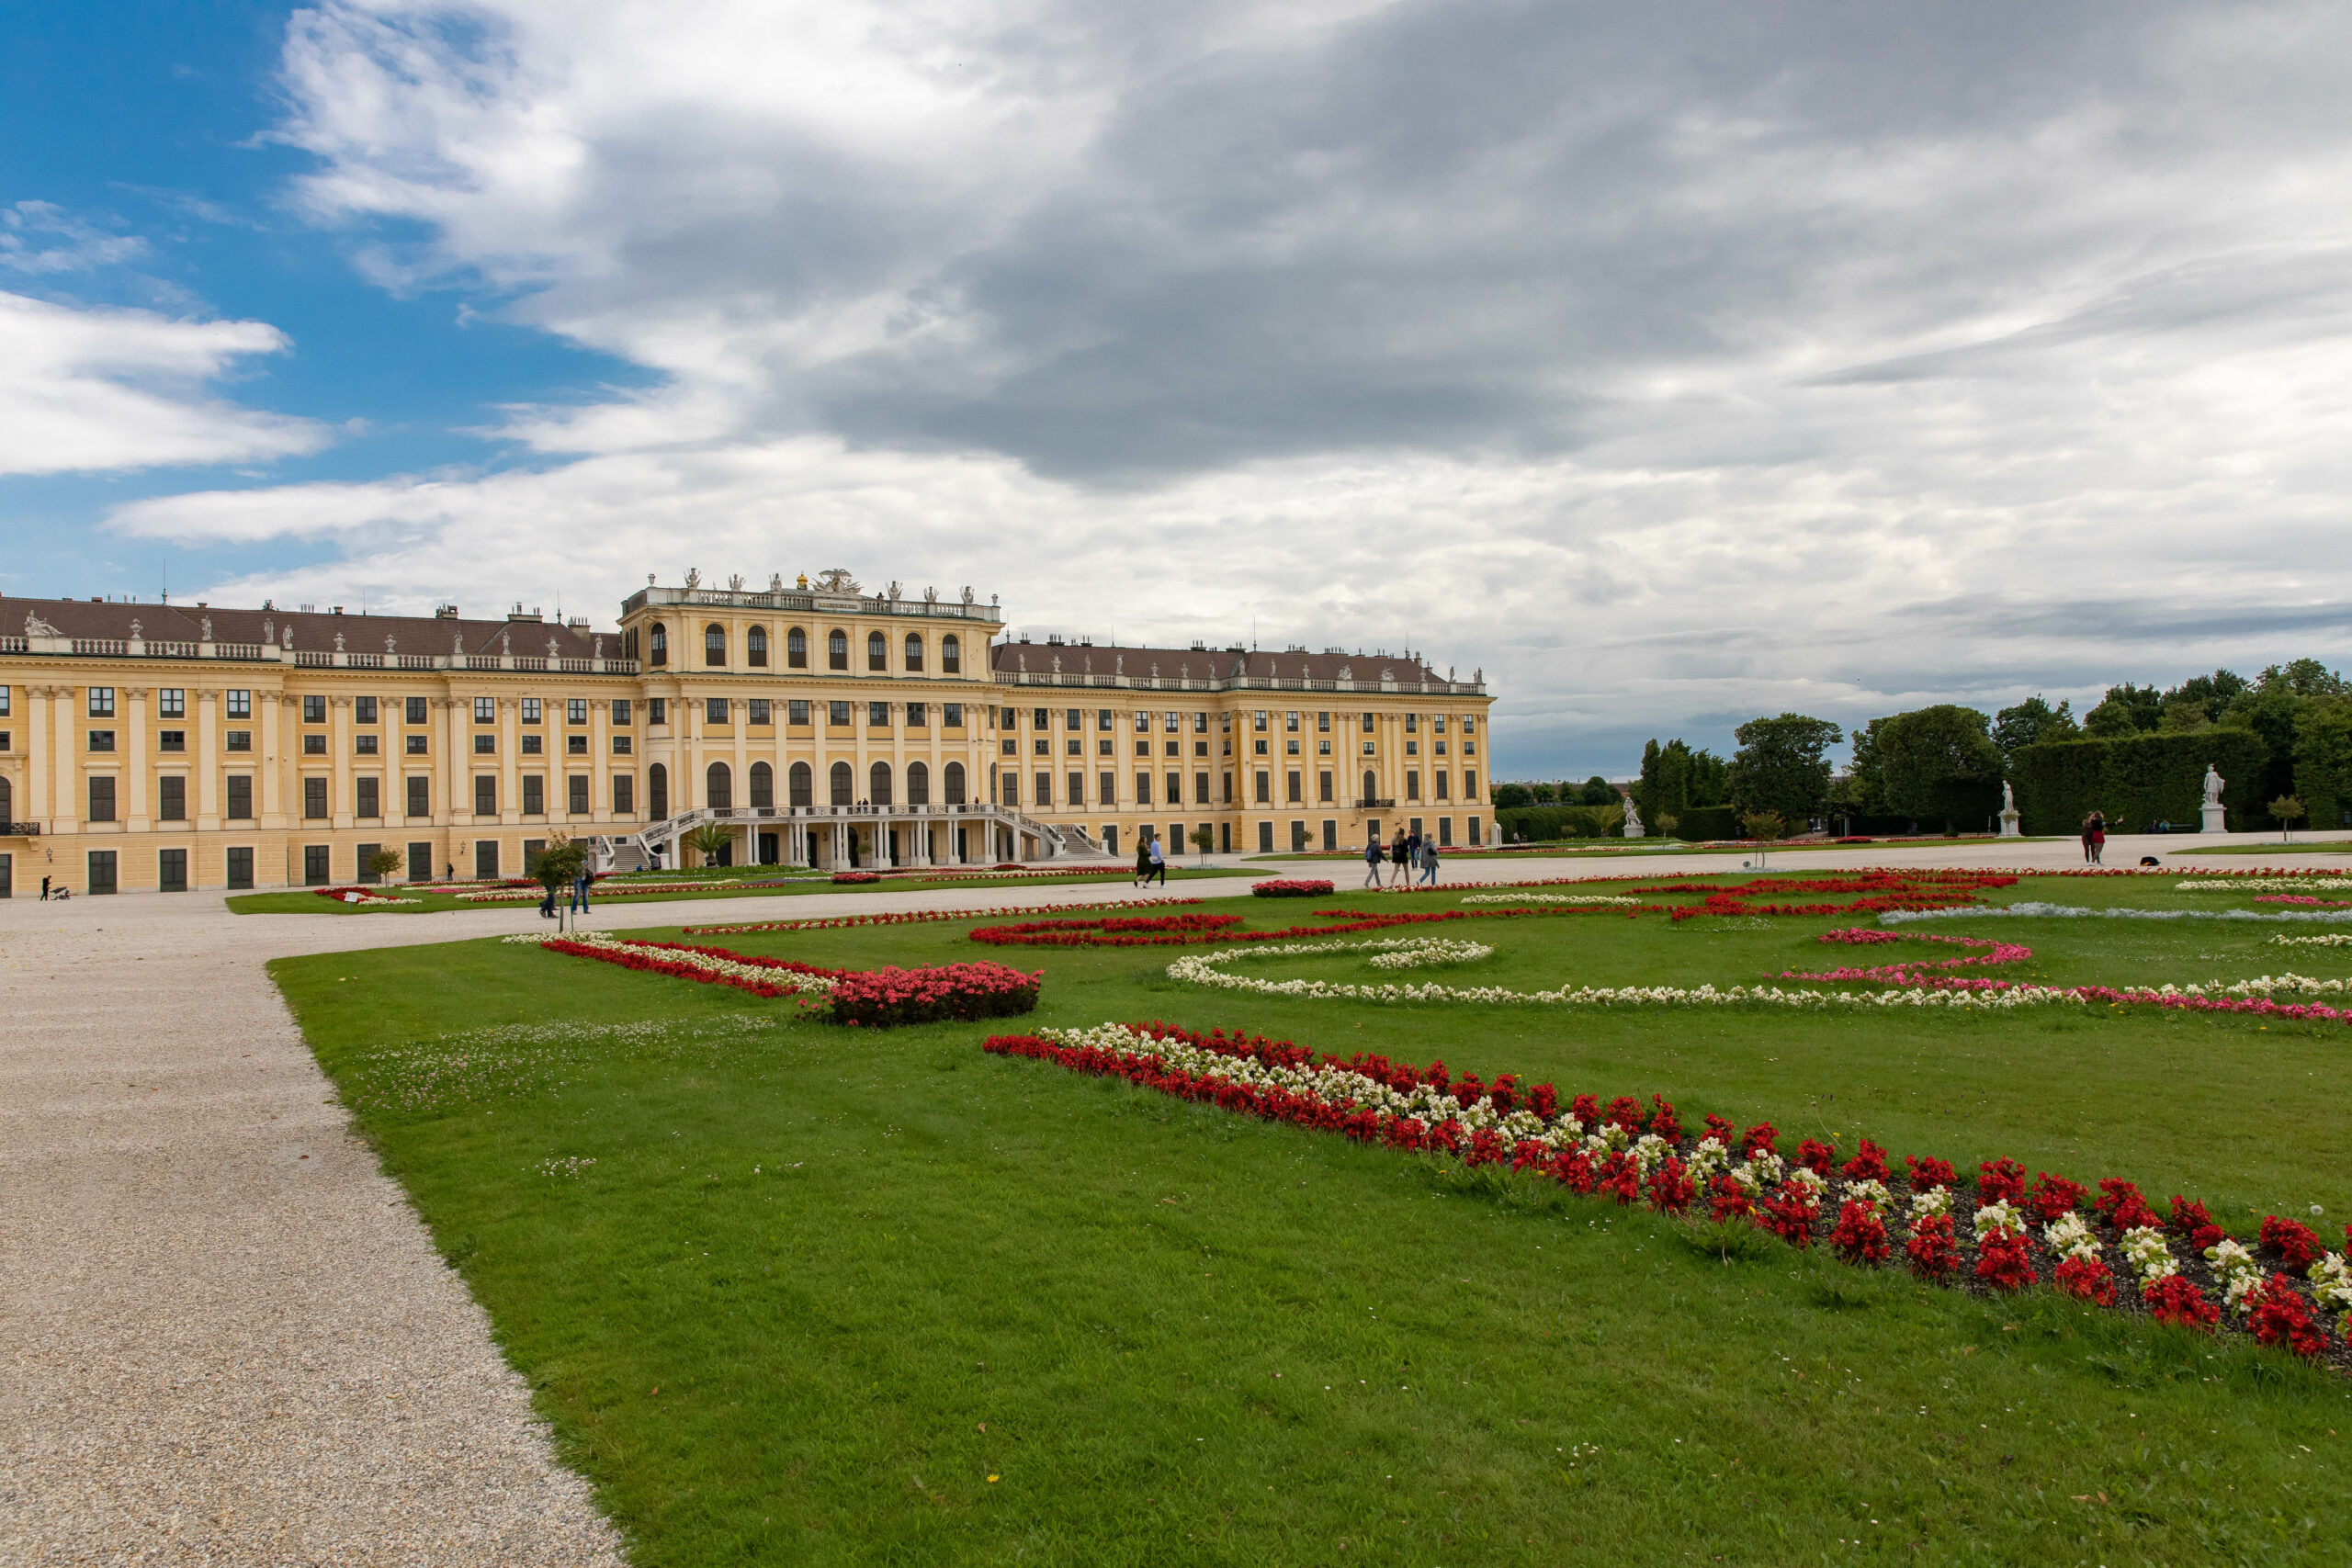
382	863
709	841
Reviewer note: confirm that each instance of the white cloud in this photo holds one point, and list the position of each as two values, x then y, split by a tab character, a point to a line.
114	389
39	236
1837	363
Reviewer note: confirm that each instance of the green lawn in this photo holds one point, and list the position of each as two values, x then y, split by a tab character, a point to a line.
2302	845
303	902
813	1288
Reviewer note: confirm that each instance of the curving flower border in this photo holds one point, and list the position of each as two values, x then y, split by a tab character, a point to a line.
927	917
1993	1234
880	998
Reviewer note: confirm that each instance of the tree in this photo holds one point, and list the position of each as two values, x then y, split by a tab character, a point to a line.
709	841
1940	762
382	863
1764	827
1507	795
2286	810
1540	794
1203	838
1598	791
1863	792
561	864
2032	720
1782	767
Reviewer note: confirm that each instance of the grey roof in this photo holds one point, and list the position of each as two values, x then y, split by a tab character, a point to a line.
312	632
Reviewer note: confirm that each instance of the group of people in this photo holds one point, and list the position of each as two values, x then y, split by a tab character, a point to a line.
579	905
2094	837
1149	863
1408	852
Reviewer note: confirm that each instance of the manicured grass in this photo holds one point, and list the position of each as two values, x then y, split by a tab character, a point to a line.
303	902
866	1272
2300	846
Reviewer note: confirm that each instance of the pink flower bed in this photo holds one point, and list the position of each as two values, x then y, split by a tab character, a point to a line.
884	998
1290	887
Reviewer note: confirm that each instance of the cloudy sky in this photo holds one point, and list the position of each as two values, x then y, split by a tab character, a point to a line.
1670	364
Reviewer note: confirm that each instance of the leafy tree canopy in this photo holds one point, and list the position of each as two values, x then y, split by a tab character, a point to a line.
1780	766
2034	720
1940	762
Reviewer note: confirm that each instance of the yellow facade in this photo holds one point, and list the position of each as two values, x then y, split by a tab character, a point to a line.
160	746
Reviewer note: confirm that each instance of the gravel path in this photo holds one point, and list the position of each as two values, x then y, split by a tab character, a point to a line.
225	1336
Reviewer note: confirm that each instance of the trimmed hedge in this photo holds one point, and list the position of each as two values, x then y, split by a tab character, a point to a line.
1542	824
2139	780
1697	822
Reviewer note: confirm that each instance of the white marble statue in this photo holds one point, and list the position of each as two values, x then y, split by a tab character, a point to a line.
2213	781
2008	799
1633	820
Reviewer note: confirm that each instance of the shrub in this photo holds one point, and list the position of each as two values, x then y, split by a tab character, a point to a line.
1290	887
884	998
2140	780
1699	822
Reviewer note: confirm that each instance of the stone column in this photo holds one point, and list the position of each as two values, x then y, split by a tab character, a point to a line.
510	765
38	806
66	802
273	764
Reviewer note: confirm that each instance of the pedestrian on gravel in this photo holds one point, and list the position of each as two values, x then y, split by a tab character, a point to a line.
1159	865
1429	861
1372	863
44	889
2098	838
1143	861
580	891
2086	840
1397	855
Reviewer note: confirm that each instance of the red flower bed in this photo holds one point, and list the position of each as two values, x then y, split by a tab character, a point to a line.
850	878
883	998
1290	887
925	917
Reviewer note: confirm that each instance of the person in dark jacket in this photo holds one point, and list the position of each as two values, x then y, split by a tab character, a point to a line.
1372	863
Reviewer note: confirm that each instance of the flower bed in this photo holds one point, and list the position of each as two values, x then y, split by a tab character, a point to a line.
921	916
1290	887
712	966
1604	899
2000	1238
361	895
878	999
1195	930
852	878
532	891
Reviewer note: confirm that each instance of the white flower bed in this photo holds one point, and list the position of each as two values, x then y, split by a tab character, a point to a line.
2332	939
1551	898
1433	953
791	979
2262	885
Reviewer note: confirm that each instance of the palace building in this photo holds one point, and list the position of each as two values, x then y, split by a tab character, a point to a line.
167	746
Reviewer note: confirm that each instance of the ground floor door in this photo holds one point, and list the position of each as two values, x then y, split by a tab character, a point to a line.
7	876
770	848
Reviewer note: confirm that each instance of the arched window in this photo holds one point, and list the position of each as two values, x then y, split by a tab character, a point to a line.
877	652
914	652
657	791
878	777
714	645
796	650
955	784
718	790
803	785
763	785
659	644
755	647
837	650
951	655
843	786
1371	785
918	785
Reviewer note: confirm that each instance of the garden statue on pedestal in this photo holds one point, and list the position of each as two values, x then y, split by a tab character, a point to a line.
1632	820
2008	811
2215	821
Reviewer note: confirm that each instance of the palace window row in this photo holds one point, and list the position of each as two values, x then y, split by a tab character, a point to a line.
914	655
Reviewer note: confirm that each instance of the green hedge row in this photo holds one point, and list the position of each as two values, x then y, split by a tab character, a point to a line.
2139	781
1542	824
1697	822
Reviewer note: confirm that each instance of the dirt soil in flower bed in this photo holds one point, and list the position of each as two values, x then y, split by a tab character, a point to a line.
794	1293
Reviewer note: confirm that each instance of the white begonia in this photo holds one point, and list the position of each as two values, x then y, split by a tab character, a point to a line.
1873	1193
1770	1167
2230	1258
2238	1296
2068	1236
1650	1150
2148	1254
1811	1181
1991	1217
1934	1201
2331	1282
1708	1158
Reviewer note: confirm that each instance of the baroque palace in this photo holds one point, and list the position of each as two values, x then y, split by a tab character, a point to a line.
166	746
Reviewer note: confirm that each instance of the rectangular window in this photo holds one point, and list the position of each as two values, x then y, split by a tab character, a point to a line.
240	705
952	714
1044	784
533	745
621	744
1469	727
5	739
1175	782
1444	826
1040	719
578	785
877	716
1474	821
1200	789
171	799
1412	784
624	795
420	795
837	715
620	713
485	710
165	740
534	795
367	803
241	866
1367	724
102	871
4	702
420	862
1011	787
1226	788
1470	789
1323	788
314	799
485	858
414	710
170	701
314	710
363	710
1073	719
485	745
102	702
531	850
575	710
1265	788
1108	784
576	746
102	740
364	745
101	798
1322	724
657	710
796	711
1102	719
917	716
1296	796
485	794
1077	790
759	711
1265	837
240	798
530	710
1143	789
714	710
316	745
239	741
1143	723
1442	777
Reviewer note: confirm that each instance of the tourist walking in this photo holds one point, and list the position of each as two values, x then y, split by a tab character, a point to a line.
1372	863
580	892
44	889
1429	861
1143	861
2098	838
1159	863
2086	840
1397	853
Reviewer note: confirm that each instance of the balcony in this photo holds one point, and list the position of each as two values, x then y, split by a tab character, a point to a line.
19	830
1368	804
